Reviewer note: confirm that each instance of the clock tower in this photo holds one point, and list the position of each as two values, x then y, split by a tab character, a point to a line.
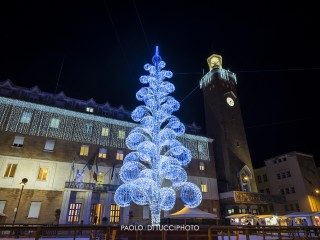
225	125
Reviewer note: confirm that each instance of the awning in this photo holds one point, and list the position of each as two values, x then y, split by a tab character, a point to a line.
187	212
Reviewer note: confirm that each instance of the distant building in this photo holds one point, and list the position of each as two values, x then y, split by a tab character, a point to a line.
70	151
293	175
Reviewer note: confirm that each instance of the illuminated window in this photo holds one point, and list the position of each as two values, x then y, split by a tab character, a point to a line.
43	172
201	166
230	211
84	150
89	109
119	155
204	187
10	170
74	212
87	128
49	146
55	122
18	141
26	117
121	134
102	153
114	213
34	210
105	132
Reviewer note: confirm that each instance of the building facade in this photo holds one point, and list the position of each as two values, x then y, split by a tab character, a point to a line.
71	152
295	176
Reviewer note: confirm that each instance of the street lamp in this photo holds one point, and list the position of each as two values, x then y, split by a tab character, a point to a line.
23	183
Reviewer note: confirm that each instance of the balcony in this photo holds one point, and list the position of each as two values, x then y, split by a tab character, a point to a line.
220	73
91	186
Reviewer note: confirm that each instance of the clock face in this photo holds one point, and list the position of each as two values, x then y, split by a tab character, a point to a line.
230	101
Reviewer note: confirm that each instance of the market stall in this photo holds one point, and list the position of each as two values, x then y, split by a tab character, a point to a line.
241	219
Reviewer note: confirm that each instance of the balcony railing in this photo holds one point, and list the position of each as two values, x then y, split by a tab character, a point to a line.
92	186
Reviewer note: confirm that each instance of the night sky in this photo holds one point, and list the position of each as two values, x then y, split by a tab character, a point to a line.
97	49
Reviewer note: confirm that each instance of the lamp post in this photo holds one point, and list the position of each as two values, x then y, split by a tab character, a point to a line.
23	183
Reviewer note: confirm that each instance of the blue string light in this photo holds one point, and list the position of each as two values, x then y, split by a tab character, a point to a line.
156	153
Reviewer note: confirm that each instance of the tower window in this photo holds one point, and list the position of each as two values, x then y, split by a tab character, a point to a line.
119	155
74	212
10	170
105	132
18	141
102	153
84	150
121	134
49	146
34	210
114	213
43	172
2	205
89	109
88	128
201	166
204	187
55	122
26	117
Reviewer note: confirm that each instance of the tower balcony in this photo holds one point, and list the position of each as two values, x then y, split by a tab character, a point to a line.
221	73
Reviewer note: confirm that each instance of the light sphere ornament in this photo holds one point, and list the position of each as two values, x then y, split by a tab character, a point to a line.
122	196
191	195
157	155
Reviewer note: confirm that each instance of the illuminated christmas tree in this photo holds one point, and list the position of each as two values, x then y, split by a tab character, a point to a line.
153	172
